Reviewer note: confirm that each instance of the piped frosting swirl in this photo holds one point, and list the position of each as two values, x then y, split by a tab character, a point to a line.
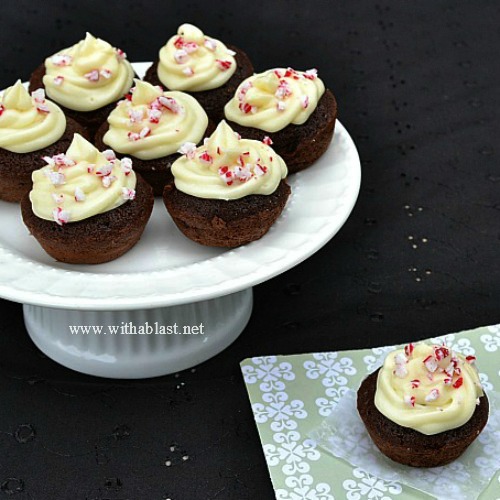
28	123
193	62
81	183
153	124
228	167
274	99
428	388
88	75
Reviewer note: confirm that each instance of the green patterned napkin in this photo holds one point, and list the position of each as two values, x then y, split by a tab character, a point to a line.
292	395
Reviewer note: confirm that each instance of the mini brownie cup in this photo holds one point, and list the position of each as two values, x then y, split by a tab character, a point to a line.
85	80
227	192
202	67
292	108
441	443
150	127
30	128
87	207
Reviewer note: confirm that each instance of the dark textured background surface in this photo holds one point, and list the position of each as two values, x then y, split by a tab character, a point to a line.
417	86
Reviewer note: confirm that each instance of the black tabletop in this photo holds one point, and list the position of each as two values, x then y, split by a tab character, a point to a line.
417	87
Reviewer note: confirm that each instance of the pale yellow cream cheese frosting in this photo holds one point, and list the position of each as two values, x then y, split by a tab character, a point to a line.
153	123
428	388
88	75
227	167
193	62
28	123
81	183
274	99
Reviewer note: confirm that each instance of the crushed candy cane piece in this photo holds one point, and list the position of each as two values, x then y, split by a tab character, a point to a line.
133	136
409	349
38	95
154	115
144	132
470	359
409	400
60	216
415	383
171	104
181	56
259	170
210	44
401	371
121	54
58	80
284	90
190	47
79	194
311	74
432	396
57	178
188	149
58	198
106	73
247	108
126	165
108	180
400	359
281	106
267	141
441	353
92	76
188	71
104	171
206	158
304	101
61	60
135	115
128	194
431	363
223	65
231	52
109	154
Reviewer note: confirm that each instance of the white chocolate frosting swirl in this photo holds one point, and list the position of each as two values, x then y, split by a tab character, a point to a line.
153	123
81	183
428	388
227	167
28	123
193	62
88	75
274	99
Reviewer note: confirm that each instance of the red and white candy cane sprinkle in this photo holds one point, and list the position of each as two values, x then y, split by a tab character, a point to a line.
59	80
181	56
441	353
188	71
470	359
190	47
280	106
210	44
79	194
108	180
61	60
121	54
247	108
144	132
58	198
106	73
415	383
2	109
109	154
409	400
92	76
458	383
400	359
104	170
188	149
38	95
432	396
431	363
284	90
231	52
267	141
259	170
226	175
154	115
409	349
60	216
126	165
243	90
205	158
128	193
133	136
57	178
304	101
90	168
311	74
401	371
171	104
243	173
223	65
179	42
135	115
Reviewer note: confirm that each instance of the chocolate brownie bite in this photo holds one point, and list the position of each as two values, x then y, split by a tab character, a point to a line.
31	127
86	80
87	207
228	192
150	127
201	66
424	406
292	108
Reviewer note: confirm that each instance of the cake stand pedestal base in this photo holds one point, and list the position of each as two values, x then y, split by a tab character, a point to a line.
139	343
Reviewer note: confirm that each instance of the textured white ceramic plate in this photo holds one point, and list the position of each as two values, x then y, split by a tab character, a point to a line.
165	268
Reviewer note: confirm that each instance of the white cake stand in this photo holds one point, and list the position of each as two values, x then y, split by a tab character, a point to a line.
169	303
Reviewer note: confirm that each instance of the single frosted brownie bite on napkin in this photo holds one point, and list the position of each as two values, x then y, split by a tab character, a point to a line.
31	127
150	126
202	66
227	192
87	207
424	406
292	108
86	80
